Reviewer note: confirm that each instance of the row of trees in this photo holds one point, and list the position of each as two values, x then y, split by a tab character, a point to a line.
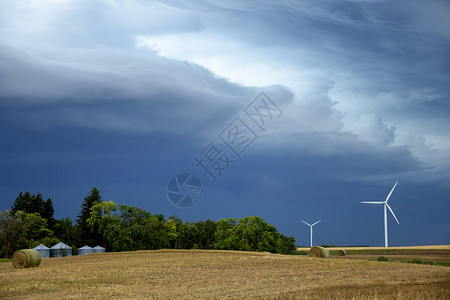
124	228
31	222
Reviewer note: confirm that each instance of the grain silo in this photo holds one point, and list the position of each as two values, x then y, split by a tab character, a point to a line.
43	250
60	249
85	250
99	249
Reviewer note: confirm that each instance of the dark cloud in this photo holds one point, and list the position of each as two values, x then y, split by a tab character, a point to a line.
123	94
145	94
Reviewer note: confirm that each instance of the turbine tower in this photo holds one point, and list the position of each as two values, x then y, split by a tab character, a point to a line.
386	206
311	226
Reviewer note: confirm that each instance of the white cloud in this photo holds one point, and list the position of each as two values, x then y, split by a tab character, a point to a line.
371	128
227	58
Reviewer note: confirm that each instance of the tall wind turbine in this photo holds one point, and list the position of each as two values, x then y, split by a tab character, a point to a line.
311	226
386	205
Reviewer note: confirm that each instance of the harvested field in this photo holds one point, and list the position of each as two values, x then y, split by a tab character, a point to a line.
197	274
428	255
440	254
429	247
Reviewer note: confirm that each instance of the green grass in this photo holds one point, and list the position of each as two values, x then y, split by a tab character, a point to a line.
5	260
300	252
335	252
382	258
427	262
386	251
417	261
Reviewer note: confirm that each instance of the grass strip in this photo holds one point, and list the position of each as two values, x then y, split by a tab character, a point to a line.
382	251
427	262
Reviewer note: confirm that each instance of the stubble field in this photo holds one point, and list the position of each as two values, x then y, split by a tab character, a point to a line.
197	274
439	254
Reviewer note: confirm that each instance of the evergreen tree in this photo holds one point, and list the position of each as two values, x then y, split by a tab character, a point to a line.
65	231
35	204
88	236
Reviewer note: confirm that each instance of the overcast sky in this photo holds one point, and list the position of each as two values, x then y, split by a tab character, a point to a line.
123	95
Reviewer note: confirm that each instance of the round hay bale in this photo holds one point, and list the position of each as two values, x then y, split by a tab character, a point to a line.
26	258
342	252
320	252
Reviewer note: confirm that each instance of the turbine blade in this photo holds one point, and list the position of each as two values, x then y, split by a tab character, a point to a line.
387	198
374	202
316	223
392	212
306	223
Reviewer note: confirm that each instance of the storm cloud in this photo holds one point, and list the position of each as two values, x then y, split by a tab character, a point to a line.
364	87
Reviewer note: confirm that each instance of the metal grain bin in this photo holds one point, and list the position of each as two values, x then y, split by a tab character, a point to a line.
99	249
85	250
43	250
60	249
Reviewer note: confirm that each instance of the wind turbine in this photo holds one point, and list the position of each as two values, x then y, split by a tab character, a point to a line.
386	205
311	228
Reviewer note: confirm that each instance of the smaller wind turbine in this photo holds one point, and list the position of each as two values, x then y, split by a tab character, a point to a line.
311	226
386	205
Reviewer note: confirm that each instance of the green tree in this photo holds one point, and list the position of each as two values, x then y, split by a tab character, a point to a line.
201	233
180	227
172	230
208	228
127	228
226	237
86	235
251	234
21	230
65	231
11	225
35	204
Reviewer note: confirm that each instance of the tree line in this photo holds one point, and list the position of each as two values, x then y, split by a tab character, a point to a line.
117	227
